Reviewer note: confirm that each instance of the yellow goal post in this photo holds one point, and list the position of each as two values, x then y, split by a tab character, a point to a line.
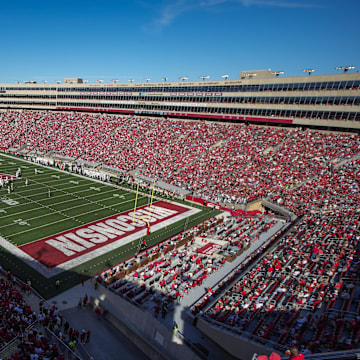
145	217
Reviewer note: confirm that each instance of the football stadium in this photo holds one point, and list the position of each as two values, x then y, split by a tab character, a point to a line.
200	220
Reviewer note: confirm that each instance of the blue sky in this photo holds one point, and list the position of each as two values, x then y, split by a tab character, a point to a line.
122	39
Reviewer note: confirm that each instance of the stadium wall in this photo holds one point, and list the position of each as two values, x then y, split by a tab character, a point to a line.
142	329
330	124
240	348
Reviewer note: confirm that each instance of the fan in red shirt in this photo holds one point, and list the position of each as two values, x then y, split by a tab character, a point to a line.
295	354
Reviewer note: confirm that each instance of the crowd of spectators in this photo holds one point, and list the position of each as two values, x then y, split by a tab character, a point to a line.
20	323
164	274
230	163
304	290
66	134
16	315
335	188
120	147
15	125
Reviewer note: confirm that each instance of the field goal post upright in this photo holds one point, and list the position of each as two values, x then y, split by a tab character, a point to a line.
144	218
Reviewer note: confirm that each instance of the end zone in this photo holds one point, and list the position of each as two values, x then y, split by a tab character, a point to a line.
63	251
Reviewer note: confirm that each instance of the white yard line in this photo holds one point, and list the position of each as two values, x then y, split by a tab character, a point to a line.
73	174
71	217
80	197
75	216
66	194
61	202
54	197
42	185
83	177
61	212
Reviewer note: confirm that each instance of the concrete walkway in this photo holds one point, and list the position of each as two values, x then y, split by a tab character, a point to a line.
106	342
109	341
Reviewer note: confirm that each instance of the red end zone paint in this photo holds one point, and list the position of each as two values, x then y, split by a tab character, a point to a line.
67	245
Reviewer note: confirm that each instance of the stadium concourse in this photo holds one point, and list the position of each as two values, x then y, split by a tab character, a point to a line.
264	282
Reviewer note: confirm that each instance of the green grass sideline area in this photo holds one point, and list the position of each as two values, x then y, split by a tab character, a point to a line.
50	201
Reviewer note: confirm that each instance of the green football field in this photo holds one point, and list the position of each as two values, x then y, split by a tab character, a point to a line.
46	201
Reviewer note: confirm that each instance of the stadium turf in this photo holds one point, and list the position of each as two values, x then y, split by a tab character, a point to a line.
49	201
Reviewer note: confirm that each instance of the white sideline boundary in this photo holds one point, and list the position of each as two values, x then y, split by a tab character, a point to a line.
53	168
48	273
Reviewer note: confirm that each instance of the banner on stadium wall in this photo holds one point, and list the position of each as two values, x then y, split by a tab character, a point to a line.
237	212
195	199
213	205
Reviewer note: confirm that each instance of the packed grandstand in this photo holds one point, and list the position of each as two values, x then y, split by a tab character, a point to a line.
289	268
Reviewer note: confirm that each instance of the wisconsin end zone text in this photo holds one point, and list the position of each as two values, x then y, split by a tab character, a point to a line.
103	235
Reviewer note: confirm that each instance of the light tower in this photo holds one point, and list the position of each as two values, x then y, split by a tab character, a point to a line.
204	77
345	68
277	73
309	71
